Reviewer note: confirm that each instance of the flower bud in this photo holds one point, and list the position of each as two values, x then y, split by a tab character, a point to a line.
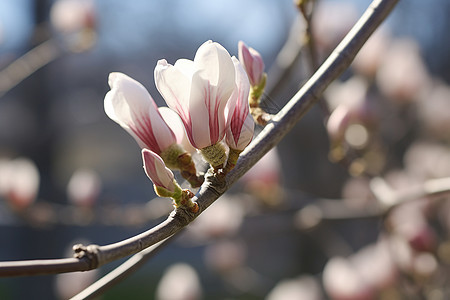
162	178
253	63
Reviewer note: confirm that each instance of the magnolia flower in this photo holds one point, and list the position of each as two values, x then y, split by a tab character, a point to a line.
254	66
162	177
130	105
198	91
241	126
253	63
164	182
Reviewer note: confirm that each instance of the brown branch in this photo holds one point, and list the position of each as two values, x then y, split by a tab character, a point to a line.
121	272
212	189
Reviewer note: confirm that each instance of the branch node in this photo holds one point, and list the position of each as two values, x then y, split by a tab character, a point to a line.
90	252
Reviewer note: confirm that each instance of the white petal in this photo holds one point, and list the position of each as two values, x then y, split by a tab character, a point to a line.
126	96
173	120
200	127
215	65
240	94
130	105
215	62
186	66
174	86
241	139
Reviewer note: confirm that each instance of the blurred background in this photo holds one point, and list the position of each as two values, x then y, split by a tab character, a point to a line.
310	221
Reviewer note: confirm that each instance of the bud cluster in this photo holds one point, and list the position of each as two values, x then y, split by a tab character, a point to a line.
208	110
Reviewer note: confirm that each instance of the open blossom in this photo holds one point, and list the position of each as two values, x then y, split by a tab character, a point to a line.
253	63
173	120
130	105
198	91
241	125
156	170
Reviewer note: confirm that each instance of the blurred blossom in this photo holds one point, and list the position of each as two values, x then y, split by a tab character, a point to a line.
376	265
401	179
434	111
331	22
19	182
69	16
263	179
425	264
225	256
427	160
402	75
363	274
351	93
223	218
179	282
84	187
401	252
408	220
304	287
342	281
356	192
369	58
352	123
338	122
68	285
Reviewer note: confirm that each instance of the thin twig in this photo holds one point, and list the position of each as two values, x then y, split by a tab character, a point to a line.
389	198
27	64
271	135
121	272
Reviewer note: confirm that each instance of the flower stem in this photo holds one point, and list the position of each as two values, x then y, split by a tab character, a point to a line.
215	155
233	157
188	171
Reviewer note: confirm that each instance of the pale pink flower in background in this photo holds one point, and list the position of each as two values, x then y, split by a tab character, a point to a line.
338	122
241	125
342	281
179	282
198	91
252	62
303	287
84	187
130	105
158	173
19	182
331	22
69	16
403	75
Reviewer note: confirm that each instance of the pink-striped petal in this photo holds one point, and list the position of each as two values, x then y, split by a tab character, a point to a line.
157	171
240	123
173	120
198	91
130	105
253	63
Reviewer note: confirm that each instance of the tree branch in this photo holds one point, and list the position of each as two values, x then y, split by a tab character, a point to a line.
281	124
121	272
